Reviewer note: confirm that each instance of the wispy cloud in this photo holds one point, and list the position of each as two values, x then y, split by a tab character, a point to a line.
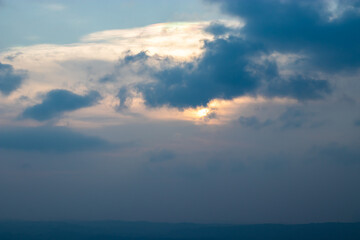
57	7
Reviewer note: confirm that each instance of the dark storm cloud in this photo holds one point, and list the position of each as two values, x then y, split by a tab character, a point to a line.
9	79
58	101
302	26
48	139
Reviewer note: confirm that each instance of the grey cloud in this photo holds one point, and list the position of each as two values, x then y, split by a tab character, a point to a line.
107	78
48	139
141	56
136	62
58	101
10	80
124	96
302	26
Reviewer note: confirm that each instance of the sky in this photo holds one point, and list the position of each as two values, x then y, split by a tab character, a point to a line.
205	111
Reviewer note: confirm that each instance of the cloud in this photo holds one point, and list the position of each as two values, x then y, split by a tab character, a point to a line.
107	78
58	101
48	139
9	79
125	97
303	26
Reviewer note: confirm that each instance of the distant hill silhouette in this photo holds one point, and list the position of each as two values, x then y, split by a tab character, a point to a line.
105	230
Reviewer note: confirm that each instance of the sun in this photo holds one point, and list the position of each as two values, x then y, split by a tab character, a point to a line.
203	112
